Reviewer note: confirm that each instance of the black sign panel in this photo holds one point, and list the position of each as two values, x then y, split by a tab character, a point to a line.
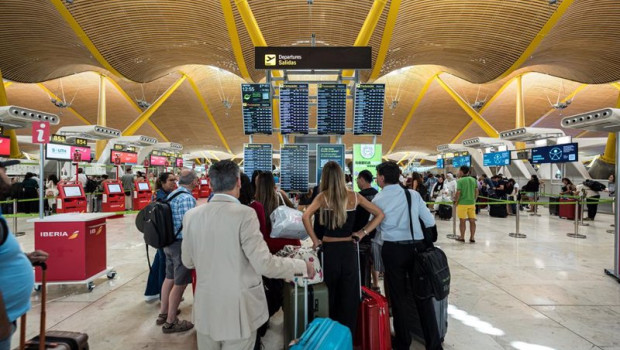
256	106
368	111
257	156
59	139
322	57
332	108
294	108
294	168
565	153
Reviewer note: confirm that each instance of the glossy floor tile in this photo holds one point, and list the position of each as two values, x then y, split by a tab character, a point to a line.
545	292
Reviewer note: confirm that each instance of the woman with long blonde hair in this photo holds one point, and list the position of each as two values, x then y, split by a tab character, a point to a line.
336	206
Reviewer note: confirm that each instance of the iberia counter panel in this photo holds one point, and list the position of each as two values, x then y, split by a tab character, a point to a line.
76	244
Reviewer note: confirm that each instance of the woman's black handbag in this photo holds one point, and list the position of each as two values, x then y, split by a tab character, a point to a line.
433	262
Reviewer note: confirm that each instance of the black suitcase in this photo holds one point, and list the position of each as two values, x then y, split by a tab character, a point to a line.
441	315
554	209
58	340
498	210
444	212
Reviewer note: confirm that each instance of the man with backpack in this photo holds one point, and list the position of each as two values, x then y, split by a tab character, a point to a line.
177	275
591	189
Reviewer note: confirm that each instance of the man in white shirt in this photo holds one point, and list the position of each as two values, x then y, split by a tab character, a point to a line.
81	177
400	247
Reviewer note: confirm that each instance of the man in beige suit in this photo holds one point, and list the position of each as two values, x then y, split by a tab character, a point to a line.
222	241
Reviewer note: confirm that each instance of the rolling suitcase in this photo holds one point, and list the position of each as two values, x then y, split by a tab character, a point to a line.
59	340
554	209
445	212
441	314
498	210
317	305
373	322
325	334
567	209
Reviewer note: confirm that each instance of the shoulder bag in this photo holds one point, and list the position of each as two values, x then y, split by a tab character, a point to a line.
286	223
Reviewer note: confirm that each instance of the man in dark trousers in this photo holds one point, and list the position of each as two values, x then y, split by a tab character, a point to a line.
364	179
400	247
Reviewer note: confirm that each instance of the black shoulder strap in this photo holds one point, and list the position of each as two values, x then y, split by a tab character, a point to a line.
168	200
408	195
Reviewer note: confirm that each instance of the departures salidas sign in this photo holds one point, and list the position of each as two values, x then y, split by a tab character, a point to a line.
323	57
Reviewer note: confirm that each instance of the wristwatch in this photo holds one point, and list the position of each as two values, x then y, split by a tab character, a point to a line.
365	232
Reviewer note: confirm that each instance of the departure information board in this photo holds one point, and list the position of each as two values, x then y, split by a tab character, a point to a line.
294	109
460	161
256	107
440	163
368	111
327	153
256	156
294	168
564	153
332	108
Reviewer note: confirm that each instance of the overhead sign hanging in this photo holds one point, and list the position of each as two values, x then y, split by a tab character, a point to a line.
322	57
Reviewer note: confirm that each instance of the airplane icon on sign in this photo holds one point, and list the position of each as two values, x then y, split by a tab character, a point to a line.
270	60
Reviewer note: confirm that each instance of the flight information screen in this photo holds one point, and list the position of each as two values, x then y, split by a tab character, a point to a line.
458	162
294	108
294	167
555	154
496	158
332	108
256	107
368	111
440	163
327	153
256	156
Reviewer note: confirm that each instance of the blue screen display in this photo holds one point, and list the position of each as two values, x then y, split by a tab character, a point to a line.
555	154
440	163
496	159
458	162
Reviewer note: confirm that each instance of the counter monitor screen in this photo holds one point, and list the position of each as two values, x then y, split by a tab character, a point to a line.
294	109
564	153
158	160
203	182
440	164
294	167
143	186
5	146
125	157
72	191
332	109
257	156
368	111
458	162
256	107
114	188
179	162
496	158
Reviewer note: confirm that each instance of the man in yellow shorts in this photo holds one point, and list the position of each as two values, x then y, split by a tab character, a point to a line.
465	201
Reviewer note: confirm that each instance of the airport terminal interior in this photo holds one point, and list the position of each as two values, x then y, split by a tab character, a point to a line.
512	89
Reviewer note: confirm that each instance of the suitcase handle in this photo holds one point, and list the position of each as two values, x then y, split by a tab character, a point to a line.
22	330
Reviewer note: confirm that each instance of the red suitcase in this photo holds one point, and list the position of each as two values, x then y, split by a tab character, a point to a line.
58	340
567	208
373	323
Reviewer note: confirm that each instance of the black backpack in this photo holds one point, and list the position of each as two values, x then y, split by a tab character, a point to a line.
594	185
155	222
91	186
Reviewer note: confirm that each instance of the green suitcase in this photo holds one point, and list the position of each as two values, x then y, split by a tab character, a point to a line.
318	306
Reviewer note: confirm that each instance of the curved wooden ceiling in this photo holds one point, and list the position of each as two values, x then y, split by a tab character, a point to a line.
476	46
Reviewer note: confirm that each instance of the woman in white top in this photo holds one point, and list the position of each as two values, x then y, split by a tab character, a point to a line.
51	190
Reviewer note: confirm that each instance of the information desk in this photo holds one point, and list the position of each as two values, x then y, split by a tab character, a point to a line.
76	244
142	194
113	198
71	198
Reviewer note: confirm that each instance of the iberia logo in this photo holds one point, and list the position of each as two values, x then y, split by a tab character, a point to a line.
99	230
74	235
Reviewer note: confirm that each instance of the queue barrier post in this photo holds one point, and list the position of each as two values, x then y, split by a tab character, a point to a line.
576	234
613	211
453	235
535	211
517	233
583	204
15	232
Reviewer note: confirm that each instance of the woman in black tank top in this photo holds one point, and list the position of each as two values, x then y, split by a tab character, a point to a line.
336	206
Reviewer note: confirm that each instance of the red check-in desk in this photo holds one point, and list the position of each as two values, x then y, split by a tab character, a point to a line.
71	198
142	195
76	244
113	198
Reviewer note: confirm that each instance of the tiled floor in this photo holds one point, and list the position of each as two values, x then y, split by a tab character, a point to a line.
545	292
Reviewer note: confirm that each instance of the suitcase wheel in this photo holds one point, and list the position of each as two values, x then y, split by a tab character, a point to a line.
111	275
91	286
37	287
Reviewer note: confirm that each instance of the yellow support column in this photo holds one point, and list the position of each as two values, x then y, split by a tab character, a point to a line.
520	110
363	37
609	156
4	101
144	117
101	116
